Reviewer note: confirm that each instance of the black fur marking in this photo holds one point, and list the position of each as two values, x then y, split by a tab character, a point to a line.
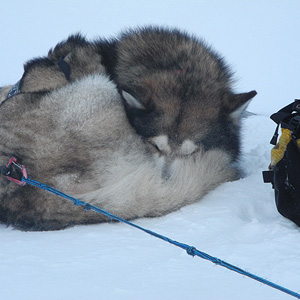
108	51
73	41
222	136
39	61
143	121
155	59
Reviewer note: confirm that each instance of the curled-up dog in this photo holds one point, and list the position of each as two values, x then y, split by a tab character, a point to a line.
137	144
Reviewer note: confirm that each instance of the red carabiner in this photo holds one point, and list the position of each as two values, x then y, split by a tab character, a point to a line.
13	161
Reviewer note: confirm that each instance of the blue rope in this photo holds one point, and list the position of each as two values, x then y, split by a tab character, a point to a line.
189	249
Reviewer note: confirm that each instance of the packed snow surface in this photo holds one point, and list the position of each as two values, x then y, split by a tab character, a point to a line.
237	222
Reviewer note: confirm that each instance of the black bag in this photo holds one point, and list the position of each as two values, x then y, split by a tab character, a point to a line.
284	170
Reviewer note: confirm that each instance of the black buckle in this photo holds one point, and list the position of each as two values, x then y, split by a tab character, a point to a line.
268	176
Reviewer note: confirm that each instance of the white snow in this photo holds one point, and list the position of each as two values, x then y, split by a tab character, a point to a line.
238	222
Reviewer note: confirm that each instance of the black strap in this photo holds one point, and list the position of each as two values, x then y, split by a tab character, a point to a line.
275	136
65	68
286	111
283	117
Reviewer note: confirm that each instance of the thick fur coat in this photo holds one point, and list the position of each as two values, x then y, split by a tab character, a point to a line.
166	149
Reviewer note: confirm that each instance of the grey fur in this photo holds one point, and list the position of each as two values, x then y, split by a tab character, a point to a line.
82	56
76	136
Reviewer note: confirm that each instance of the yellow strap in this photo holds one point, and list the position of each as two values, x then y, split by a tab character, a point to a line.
278	151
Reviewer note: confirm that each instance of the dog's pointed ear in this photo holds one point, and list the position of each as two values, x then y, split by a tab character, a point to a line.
236	104
131	101
62	49
41	75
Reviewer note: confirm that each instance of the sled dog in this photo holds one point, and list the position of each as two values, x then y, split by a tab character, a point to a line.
138	126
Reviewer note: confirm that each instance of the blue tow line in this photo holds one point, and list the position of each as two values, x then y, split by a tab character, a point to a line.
189	249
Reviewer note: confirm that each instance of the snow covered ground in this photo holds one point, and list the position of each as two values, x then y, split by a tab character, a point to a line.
238	222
